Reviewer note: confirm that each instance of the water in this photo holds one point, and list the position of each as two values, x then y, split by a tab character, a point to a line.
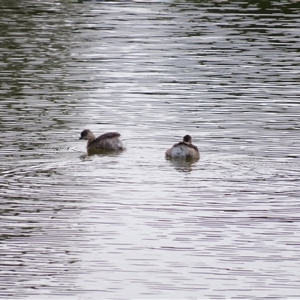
133	225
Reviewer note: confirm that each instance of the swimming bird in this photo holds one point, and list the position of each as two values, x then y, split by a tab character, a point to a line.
184	149
106	141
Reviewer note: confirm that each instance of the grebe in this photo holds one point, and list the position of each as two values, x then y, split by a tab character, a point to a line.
184	149
106	141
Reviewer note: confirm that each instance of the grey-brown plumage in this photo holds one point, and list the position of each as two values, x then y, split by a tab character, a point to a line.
184	149
106	141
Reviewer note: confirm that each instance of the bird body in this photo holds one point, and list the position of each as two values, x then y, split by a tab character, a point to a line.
184	149
106	141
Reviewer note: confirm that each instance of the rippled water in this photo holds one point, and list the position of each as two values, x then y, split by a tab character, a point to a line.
133	225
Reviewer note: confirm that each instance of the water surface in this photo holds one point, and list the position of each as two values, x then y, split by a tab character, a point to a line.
133	225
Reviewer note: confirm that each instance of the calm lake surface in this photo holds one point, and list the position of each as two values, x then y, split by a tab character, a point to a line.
133	225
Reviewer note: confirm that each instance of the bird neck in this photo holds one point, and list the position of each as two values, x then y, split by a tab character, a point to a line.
91	139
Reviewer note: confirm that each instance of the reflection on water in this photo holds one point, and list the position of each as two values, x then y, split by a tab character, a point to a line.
183	164
133	224
102	152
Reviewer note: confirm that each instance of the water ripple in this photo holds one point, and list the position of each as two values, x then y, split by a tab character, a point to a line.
132	224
